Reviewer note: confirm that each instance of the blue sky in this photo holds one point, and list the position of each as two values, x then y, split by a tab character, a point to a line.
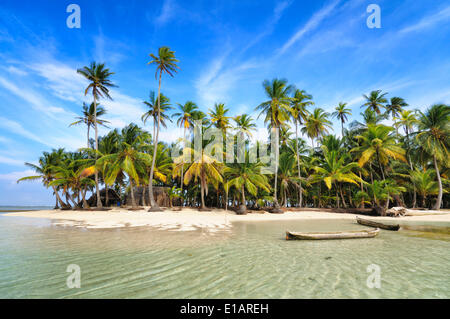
226	49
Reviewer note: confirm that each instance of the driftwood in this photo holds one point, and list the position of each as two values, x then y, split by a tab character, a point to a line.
396	211
372	223
332	235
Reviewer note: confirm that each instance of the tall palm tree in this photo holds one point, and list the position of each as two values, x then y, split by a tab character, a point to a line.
394	108
165	63
277	112
317	124
287	176
154	107
88	118
219	117
434	137
377	142
408	120
99	84
341	112
375	101
245	125
185	120
300	101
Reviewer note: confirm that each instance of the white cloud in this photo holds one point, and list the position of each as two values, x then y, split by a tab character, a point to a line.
312	23
12	177
168	11
428	21
10	161
17	128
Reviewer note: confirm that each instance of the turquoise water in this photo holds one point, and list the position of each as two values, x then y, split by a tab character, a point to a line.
251	261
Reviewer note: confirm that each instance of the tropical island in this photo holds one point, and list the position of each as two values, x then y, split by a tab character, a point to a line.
369	169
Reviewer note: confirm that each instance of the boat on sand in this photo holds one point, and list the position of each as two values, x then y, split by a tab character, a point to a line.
371	223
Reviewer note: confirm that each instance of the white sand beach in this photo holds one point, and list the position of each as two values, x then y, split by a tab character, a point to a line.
193	219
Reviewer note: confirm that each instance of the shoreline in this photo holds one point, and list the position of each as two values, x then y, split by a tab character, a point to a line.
190	219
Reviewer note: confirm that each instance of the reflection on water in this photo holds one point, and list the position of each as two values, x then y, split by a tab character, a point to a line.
251	261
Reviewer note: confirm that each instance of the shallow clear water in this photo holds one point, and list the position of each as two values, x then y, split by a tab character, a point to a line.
251	261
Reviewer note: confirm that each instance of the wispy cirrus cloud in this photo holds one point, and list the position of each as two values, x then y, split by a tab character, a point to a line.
312	24
428	21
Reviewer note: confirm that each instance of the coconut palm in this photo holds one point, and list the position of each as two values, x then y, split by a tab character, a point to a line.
45	171
88	118
219	118
165	63
334	170
99	84
394	108
154	108
204	169
286	174
424	183
300	101
377	142
341	113
375	101
277	112
434	137
245	125
316	125
246	176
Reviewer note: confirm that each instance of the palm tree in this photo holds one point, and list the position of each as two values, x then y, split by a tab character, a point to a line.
375	101
185	120
424	183
434	137
341	113
334	170
246	176
277	112
377	142
408	120
165	63
204	169
45	171
317	124
88	118
245	125
154	107
301	100
286	175
395	108
219	118
99	84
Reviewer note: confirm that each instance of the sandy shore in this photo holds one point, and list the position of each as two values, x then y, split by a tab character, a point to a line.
192	219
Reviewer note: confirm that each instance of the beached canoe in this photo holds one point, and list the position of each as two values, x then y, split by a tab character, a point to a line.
333	235
372	223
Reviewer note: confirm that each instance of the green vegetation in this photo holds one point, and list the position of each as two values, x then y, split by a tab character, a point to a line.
370	164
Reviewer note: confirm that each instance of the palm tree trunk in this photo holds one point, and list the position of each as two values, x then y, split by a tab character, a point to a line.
133	202
342	128
202	189
143	196
99	200
83	194
58	199
153	204
337	197
88	128
182	165
106	196
381	166
300	191
342	197
276	176
439	198
243	196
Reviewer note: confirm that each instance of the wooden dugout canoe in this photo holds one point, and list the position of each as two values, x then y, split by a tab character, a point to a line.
372	223
333	235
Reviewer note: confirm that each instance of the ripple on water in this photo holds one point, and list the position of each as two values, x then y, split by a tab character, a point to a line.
251	261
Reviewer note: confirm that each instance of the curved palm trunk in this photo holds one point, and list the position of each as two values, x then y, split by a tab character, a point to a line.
83	195
58	199
99	200
153	204
300	191
202	189
243	196
439	198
